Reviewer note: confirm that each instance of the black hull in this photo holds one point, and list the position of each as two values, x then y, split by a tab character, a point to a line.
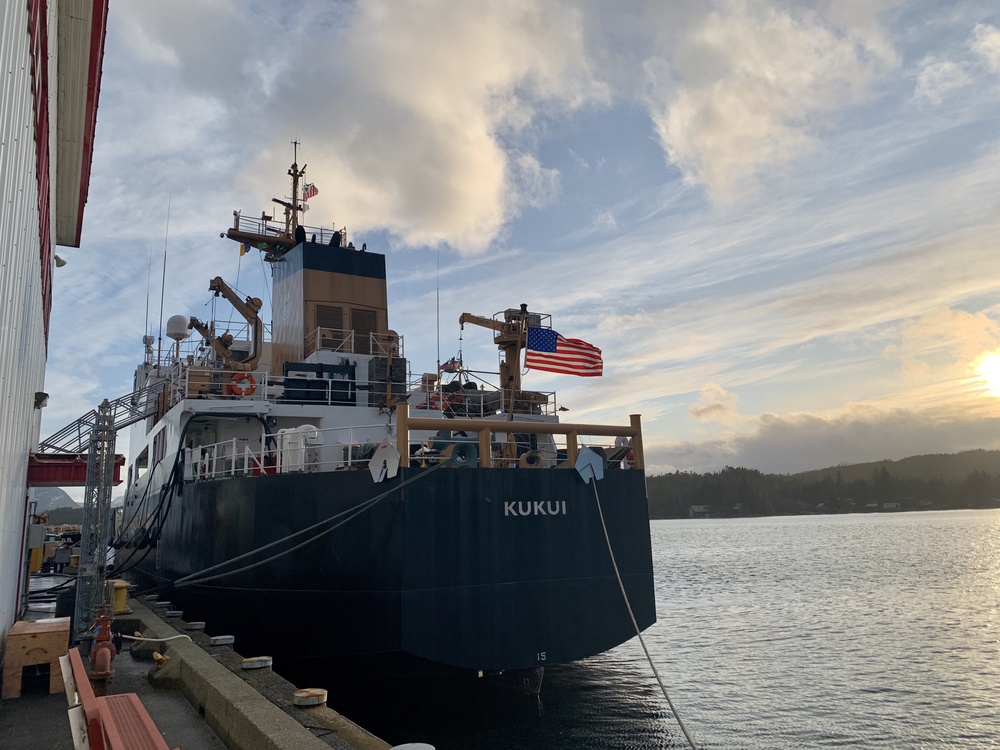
483	569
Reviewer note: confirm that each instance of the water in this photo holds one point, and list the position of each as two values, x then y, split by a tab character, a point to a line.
874	631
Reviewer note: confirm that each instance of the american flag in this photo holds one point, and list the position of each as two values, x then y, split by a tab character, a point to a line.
309	191
549	351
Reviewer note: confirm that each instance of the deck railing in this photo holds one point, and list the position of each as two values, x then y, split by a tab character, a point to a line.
485	429
462	443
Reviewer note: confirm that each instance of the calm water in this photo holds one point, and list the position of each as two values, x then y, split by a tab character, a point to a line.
876	631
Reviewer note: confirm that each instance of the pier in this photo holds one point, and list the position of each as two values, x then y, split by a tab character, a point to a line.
198	696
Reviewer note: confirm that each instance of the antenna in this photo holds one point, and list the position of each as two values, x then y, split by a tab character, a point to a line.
163	285
149	281
292	211
437	295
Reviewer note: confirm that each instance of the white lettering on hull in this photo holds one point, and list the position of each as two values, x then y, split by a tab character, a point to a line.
535	508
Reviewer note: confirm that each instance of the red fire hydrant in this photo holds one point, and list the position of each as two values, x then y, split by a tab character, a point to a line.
103	650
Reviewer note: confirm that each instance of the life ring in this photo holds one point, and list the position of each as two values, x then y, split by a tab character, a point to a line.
242	384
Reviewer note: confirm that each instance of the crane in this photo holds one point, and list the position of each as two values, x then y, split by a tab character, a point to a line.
249	309
510	336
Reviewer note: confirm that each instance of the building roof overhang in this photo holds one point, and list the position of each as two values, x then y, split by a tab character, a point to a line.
81	32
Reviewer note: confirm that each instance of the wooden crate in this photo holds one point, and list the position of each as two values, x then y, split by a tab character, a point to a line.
31	642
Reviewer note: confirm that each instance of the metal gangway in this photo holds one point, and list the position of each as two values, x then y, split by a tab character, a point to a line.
125	410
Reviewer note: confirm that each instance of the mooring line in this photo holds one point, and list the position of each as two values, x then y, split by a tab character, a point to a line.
195	579
628	606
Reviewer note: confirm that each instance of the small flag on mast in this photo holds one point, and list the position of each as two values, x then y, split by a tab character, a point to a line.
309	190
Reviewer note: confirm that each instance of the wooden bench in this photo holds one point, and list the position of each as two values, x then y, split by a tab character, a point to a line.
110	722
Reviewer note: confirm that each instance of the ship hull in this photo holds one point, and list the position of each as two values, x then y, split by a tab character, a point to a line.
482	569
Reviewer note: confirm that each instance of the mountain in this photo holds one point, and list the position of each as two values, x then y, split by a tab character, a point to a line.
947	467
970	479
49	498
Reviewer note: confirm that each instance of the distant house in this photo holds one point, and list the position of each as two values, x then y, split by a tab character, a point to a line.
700	511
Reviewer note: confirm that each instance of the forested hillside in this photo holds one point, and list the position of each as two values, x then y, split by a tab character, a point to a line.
964	480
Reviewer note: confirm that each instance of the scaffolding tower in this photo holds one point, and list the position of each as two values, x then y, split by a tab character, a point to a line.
91	588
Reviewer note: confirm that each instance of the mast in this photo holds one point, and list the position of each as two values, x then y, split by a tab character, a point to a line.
292	212
262	236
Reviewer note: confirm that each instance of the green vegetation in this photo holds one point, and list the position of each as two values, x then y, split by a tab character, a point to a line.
935	482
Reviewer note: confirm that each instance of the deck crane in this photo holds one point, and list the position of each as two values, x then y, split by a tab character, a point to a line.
511	336
249	309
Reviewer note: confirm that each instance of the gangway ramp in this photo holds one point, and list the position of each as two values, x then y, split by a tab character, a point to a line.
126	410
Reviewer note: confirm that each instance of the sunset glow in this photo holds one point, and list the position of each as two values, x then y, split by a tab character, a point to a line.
989	370
778	221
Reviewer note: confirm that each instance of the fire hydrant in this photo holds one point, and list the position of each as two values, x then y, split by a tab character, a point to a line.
103	650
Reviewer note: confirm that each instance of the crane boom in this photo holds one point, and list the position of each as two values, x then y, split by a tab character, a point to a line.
511	336
248	308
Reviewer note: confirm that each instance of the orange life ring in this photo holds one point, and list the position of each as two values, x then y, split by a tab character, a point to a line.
242	384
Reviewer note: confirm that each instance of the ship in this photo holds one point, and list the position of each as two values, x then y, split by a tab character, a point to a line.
296	486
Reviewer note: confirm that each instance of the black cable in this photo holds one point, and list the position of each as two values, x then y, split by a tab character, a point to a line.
351	513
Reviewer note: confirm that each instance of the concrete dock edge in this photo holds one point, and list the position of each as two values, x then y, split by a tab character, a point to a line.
235	707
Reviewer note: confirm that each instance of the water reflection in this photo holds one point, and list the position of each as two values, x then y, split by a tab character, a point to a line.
874	631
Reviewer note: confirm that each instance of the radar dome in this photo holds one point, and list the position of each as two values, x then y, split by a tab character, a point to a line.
177	327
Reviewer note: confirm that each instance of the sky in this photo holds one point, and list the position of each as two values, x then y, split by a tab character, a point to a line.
780	221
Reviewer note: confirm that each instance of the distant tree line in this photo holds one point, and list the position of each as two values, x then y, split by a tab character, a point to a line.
748	492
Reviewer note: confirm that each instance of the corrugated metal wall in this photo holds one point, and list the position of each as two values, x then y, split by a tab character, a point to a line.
22	334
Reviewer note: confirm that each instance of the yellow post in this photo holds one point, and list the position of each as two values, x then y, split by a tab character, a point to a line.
572	451
485	449
638	460
403	433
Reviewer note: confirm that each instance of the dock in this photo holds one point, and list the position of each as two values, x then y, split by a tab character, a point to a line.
200	698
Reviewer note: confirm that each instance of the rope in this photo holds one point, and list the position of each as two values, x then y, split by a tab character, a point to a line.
198	578
628	606
155	640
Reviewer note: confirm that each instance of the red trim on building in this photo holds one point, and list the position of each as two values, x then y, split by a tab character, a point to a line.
98	32
39	36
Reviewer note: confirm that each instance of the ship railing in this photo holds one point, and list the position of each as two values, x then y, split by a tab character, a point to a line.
200	379
520	449
330	340
293	450
203	381
496	442
266	225
486	444
347	341
195	349
481	404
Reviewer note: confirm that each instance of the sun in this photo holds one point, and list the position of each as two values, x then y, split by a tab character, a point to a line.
989	370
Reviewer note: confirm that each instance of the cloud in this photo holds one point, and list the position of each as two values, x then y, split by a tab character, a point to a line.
939	77
986	43
536	186
748	89
423	118
943	340
793	443
714	405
